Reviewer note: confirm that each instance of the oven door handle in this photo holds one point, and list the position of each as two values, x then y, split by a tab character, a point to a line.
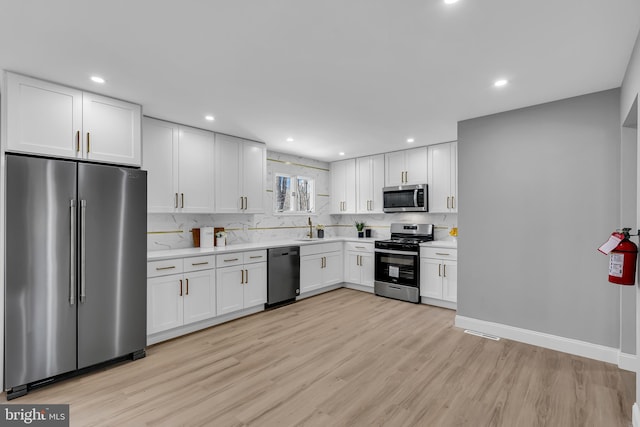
395	252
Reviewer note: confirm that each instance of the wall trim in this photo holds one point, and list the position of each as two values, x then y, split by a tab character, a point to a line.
553	342
627	361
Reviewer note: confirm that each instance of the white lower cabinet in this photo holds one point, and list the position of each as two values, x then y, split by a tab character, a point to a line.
241	280
359	263
439	276
320	266
180	292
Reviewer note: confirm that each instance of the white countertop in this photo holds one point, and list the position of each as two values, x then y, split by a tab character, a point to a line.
450	244
241	247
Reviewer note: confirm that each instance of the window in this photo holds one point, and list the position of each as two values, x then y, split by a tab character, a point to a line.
294	194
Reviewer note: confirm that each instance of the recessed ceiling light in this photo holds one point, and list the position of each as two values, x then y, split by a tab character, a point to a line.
210	118
450	1
410	140
500	83
289	139
341	153
97	79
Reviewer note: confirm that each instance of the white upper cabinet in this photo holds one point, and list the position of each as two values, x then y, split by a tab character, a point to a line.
369	183
179	161
406	167
343	186
443	180
240	175
50	119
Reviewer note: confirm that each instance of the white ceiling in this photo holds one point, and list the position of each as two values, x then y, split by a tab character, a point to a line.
358	76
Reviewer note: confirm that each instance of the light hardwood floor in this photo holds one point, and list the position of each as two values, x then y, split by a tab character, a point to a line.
347	358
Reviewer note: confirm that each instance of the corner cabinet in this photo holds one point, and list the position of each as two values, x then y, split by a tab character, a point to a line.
179	161
369	183
439	276
180	292
343	186
443	177
241	280
406	167
49	119
320	266
240	173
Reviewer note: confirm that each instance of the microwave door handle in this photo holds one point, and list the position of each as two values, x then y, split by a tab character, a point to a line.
415	197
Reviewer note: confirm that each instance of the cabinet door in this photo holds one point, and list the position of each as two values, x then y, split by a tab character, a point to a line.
416	162
430	278
255	287
450	281
195	170
352	269
454	176
367	264
311	272
164	303
377	183
111	130
254	159
439	178
229	289
160	144
43	118
343	184
199	296
332	272
394	168
227	174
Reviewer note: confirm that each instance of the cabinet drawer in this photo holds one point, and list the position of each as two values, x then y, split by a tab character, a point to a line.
359	247
255	256
164	267
228	260
200	263
320	248
440	253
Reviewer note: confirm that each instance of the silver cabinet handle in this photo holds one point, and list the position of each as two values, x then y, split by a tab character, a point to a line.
442	253
360	247
453	202
72	254
439	270
182	198
83	250
255	257
176	202
444	269
199	263
165	268
231	260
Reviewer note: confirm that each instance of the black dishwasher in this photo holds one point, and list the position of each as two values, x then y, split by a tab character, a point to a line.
283	275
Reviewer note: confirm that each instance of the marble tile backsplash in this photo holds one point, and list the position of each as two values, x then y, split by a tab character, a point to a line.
173	231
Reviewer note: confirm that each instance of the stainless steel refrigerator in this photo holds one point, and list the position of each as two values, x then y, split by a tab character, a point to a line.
75	293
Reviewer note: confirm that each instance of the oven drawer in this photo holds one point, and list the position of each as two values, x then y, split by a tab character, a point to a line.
439	253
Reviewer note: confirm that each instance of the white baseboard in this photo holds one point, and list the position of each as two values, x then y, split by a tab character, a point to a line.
635	415
627	361
357	287
318	291
553	342
439	303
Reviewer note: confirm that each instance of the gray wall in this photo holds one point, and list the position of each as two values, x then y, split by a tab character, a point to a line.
539	192
628	218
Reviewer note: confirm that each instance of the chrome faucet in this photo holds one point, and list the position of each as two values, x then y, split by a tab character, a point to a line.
310	234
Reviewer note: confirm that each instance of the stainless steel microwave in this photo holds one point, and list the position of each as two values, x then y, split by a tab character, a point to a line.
406	198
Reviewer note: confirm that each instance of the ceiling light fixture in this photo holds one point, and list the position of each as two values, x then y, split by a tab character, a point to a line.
410	140
210	118
450	1
500	83
341	153
289	139
97	79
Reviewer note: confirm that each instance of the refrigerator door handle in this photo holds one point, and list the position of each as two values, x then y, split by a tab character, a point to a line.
83	250
72	266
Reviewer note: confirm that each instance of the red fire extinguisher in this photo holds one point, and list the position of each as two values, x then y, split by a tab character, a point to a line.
622	260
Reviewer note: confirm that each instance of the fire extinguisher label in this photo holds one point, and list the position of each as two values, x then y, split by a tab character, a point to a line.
616	263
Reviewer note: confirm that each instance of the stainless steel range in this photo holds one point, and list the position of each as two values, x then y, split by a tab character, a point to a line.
397	272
